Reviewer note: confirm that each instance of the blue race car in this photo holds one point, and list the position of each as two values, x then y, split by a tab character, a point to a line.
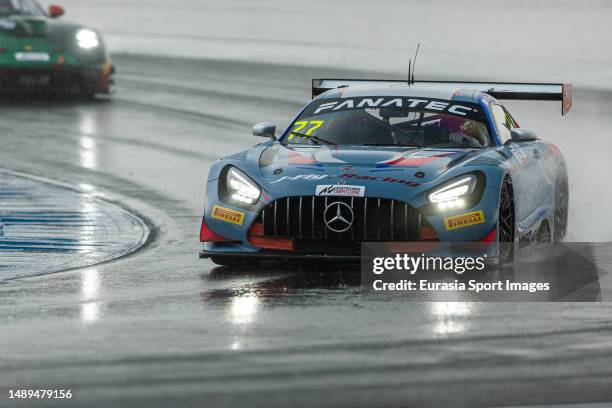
390	161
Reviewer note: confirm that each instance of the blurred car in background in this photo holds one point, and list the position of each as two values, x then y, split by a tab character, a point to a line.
41	54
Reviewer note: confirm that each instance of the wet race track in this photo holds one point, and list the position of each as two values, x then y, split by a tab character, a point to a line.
47	228
162	326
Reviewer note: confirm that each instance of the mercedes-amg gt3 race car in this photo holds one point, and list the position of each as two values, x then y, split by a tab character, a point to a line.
39	53
390	161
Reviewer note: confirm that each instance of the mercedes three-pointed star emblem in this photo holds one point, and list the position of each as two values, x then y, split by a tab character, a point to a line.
338	216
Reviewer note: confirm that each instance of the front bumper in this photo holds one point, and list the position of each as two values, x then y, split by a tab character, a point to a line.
83	80
491	260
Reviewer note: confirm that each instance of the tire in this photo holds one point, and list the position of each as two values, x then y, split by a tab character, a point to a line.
561	208
228	261
544	236
506	223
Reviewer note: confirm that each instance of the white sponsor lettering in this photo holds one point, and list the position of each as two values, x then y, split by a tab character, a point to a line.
397	102
415	102
455	109
340	190
383	102
349	104
434	105
370	103
325	106
302	177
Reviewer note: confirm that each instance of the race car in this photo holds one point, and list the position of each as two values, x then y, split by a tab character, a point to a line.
390	161
39	53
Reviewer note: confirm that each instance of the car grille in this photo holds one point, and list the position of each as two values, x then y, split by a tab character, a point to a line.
374	219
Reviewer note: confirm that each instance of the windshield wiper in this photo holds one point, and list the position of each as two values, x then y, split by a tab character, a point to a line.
314	138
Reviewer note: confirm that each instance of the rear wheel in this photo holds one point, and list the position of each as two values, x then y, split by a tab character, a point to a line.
505	223
543	235
561	208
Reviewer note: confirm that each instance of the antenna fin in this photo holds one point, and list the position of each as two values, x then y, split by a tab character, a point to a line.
414	65
409	70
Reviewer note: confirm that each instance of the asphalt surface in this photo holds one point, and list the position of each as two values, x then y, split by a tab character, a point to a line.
47	227
161	327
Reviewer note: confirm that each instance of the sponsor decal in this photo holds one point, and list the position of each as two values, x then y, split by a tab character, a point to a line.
426	104
7	24
340	190
227	215
382	179
32	56
413	159
302	177
464	220
298	128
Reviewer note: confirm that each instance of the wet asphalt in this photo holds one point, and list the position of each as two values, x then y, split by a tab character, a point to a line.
161	327
47	227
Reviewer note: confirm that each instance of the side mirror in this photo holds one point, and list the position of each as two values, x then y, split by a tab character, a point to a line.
265	129
55	11
522	135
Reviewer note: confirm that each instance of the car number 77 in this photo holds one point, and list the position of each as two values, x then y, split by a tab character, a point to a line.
301	124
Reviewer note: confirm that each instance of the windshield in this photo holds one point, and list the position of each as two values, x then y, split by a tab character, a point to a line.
391	121
26	7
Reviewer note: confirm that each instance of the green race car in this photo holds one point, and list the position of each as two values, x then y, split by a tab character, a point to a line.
39	53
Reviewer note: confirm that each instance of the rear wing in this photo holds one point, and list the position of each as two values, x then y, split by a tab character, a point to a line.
499	90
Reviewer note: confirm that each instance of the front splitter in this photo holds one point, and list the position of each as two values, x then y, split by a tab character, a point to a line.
279	256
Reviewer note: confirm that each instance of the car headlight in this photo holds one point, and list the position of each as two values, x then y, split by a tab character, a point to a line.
452	194
87	39
240	188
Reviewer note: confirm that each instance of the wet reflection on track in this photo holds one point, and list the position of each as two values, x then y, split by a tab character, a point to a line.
251	290
90	291
272	280
451	317
244	294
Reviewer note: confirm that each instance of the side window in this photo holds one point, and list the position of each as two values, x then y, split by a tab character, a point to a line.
503	122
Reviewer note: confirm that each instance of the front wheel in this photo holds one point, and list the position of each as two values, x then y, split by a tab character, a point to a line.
505	223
